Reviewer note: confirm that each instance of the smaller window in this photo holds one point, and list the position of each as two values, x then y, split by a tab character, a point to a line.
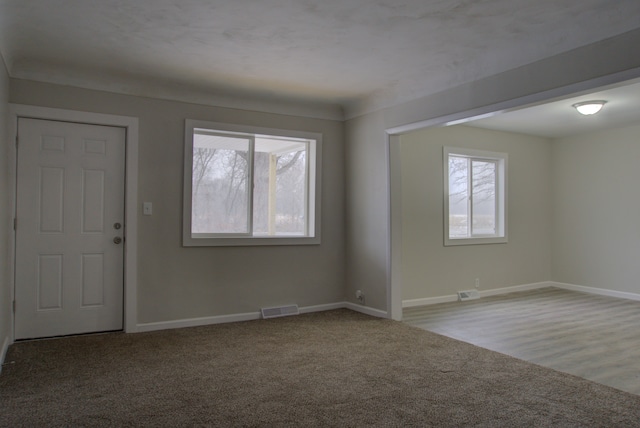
474	197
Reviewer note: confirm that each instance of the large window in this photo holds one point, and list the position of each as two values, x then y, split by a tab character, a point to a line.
250	186
475	196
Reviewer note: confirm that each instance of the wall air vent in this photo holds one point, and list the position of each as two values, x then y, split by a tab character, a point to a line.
280	311
468	295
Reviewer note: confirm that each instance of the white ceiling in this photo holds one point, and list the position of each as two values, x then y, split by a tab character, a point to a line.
558	119
333	52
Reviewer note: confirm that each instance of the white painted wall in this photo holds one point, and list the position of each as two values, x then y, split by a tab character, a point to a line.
368	220
429	269
596	222
5	215
176	283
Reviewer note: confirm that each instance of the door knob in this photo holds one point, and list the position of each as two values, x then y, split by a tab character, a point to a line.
117	240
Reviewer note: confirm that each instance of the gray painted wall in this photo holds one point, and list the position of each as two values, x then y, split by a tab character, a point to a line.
429	269
366	184
368	216
5	215
180	283
596	229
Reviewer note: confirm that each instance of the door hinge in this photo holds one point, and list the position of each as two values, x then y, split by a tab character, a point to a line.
15	223
14	306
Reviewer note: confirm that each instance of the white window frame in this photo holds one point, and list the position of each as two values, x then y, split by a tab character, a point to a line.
313	193
500	159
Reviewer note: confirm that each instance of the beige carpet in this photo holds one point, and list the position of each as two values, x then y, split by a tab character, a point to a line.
336	368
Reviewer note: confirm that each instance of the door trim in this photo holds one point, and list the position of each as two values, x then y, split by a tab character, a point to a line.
130	124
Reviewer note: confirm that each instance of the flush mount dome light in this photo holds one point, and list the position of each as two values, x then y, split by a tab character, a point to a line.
589	107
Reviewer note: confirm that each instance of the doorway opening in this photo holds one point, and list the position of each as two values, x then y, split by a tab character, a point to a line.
509	117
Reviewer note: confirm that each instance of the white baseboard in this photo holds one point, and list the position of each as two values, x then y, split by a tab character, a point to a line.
366	310
3	351
429	301
196	322
493	292
322	308
598	291
514	288
250	316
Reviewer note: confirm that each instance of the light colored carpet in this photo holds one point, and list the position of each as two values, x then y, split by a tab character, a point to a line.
336	368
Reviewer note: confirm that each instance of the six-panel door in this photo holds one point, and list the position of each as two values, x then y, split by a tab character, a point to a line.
70	212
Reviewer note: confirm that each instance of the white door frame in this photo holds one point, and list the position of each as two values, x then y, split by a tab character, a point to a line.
130	124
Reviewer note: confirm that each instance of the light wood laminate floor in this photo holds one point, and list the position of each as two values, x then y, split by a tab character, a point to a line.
590	336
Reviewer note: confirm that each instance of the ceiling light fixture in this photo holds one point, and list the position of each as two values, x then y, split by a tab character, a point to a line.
589	107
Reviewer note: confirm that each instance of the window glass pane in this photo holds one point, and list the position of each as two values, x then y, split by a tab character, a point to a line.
484	197
280	177
246	185
290	193
219	184
458	197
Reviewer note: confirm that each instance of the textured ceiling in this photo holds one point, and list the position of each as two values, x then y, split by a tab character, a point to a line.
337	52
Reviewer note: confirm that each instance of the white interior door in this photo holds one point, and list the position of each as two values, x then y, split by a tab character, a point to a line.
70	228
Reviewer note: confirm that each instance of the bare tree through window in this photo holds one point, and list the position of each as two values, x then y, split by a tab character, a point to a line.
222	190
472	196
219	184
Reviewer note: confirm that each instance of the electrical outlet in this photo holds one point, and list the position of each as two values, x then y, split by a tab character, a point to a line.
360	295
477	282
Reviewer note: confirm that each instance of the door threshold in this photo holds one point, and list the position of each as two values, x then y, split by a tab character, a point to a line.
62	336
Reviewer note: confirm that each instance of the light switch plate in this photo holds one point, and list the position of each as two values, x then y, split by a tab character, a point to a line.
147	208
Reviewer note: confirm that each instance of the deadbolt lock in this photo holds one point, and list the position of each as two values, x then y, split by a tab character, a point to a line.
117	226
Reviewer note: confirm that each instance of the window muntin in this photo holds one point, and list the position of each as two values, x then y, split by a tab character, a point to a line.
250	186
475	196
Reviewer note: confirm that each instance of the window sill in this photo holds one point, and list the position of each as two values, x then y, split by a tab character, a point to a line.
448	242
253	241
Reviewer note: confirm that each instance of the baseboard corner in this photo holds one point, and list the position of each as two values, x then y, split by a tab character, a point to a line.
366	310
598	291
